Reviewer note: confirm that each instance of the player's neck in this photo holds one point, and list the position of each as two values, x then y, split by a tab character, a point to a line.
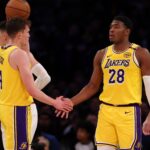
5	42
120	47
14	42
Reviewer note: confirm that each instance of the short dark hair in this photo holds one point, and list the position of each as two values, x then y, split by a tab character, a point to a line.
87	126
127	22
15	25
3	25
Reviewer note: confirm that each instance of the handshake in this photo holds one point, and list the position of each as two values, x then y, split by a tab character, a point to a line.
63	106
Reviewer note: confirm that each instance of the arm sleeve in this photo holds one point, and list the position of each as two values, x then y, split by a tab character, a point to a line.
146	80
43	78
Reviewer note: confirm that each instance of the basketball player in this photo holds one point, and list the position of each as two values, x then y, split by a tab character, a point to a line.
17	88
3	33
121	66
42	77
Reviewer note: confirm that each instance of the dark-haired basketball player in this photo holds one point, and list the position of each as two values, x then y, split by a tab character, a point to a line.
121	67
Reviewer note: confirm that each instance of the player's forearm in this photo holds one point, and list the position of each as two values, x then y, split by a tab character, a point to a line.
40	96
34	91
87	92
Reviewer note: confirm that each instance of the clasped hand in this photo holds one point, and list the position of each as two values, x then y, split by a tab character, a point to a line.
65	108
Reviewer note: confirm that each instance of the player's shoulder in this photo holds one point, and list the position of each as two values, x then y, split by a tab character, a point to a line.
141	50
101	52
31	56
100	55
138	48
142	54
18	53
17	57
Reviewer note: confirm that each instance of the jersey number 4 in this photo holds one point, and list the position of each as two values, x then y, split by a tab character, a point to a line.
120	76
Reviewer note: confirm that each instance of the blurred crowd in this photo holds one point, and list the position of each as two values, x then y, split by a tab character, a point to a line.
65	35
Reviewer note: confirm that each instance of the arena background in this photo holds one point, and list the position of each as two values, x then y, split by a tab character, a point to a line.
65	35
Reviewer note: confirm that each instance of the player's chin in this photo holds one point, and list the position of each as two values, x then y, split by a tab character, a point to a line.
111	40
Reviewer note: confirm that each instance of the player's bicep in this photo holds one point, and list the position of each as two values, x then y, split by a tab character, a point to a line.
32	59
23	65
97	74
145	62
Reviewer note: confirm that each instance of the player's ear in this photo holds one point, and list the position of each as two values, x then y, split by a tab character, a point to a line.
128	31
19	35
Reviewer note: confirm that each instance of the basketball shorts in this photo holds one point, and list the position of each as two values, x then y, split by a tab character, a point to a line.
18	125
119	127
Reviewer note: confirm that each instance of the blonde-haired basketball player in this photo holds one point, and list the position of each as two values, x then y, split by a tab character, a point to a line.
42	77
121	66
17	88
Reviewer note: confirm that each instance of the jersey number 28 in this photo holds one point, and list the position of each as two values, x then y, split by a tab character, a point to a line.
119	73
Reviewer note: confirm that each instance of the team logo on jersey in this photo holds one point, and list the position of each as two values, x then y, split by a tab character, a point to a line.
1	60
23	146
127	55
138	145
110	63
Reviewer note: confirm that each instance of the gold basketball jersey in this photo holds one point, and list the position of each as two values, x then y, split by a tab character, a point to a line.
12	89
122	77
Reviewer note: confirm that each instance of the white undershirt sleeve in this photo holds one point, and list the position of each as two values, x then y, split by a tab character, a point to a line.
146	80
43	78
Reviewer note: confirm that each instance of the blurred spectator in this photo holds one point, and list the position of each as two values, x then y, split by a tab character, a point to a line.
41	143
92	118
85	134
68	137
45	129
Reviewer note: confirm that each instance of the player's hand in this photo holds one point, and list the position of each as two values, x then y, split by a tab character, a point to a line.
146	125
64	114
62	104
